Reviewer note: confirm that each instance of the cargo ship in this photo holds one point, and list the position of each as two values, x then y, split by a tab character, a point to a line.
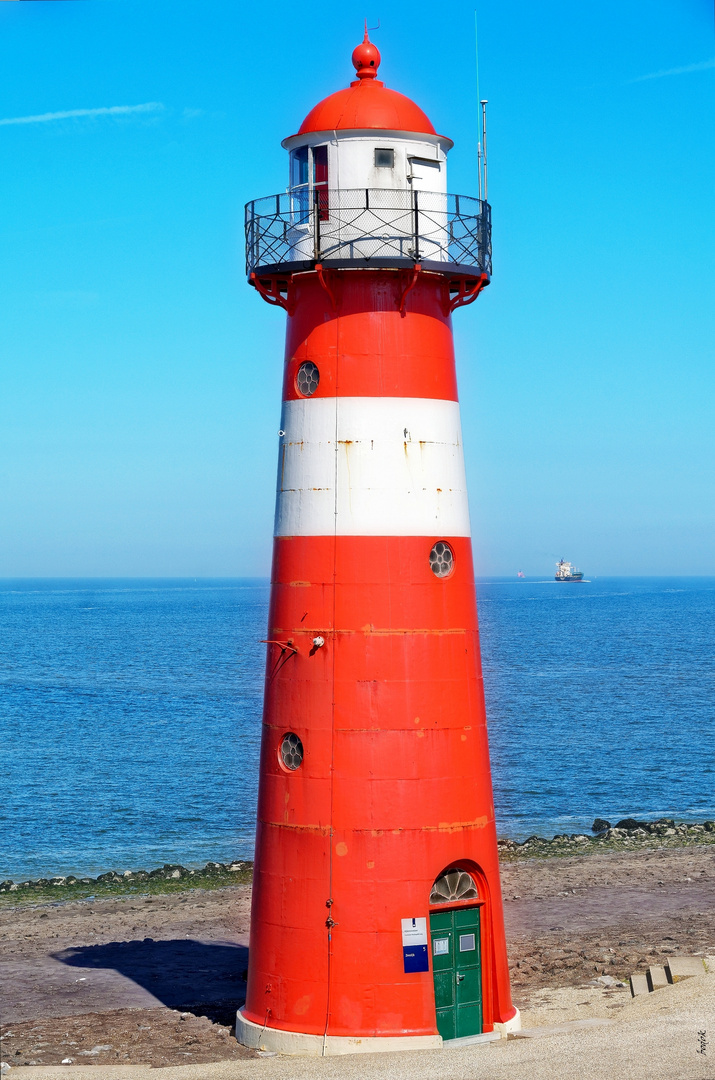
565	571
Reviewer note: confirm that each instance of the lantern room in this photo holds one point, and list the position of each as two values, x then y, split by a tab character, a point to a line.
367	186
367	136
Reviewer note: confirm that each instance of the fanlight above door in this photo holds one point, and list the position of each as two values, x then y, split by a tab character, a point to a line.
452	886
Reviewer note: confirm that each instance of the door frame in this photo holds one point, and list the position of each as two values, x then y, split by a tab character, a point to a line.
485	932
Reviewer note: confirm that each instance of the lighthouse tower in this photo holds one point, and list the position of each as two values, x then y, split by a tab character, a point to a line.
377	917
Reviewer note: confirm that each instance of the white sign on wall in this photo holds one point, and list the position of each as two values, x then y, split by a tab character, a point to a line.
414	945
414	931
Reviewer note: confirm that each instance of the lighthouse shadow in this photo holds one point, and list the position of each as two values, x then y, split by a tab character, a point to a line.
204	978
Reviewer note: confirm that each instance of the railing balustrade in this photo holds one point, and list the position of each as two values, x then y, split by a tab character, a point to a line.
359	227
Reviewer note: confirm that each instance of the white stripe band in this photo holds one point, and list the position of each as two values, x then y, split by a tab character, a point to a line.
398	464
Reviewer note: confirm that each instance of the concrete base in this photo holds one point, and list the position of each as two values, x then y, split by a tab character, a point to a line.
472	1040
639	985
509	1025
684	967
657	979
295	1042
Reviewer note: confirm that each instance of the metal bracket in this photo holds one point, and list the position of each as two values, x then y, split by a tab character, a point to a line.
323	281
408	288
288	650
464	295
272	294
282	645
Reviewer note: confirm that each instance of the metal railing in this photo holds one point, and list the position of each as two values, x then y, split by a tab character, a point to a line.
368	226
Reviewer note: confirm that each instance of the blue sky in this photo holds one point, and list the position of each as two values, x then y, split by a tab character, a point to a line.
140	376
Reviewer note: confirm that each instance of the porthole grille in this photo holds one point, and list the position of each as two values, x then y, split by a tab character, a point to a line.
291	751
307	379
441	559
452	886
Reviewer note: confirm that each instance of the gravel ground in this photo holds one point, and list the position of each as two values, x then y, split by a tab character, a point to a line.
155	980
656	1038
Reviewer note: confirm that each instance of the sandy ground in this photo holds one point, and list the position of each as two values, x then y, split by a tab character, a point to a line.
651	1039
155	981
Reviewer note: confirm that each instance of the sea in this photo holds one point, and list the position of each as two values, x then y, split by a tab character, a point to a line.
130	713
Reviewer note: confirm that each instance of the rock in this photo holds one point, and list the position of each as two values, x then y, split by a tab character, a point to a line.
608	980
630	823
600	825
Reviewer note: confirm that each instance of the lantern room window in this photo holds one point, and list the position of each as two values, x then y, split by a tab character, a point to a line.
384	159
299	184
320	179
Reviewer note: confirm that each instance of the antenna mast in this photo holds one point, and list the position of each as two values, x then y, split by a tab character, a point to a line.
483	104
479	144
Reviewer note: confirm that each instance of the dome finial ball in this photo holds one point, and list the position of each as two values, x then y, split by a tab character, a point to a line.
366	58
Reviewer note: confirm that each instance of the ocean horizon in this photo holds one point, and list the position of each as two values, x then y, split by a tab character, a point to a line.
130	712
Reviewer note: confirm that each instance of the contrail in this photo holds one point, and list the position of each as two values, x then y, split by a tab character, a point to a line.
71	114
703	65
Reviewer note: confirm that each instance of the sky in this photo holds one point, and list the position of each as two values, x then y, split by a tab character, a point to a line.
140	378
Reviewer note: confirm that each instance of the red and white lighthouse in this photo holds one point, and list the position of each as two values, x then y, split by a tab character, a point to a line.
377	916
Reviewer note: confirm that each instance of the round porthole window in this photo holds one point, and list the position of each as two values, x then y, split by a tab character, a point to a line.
291	751
441	559
307	379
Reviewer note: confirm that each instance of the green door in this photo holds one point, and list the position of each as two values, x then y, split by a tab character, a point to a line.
457	969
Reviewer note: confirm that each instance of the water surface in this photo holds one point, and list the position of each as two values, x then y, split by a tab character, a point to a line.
130	713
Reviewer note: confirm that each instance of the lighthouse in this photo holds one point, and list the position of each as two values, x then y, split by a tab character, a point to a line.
376	918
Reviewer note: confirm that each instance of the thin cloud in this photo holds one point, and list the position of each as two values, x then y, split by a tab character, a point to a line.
73	114
703	65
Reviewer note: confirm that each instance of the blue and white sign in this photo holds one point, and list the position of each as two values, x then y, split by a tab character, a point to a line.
414	945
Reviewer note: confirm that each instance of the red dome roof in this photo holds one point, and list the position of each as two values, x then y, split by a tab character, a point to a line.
366	103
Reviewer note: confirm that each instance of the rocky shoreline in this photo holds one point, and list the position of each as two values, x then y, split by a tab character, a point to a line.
627	834
170	877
